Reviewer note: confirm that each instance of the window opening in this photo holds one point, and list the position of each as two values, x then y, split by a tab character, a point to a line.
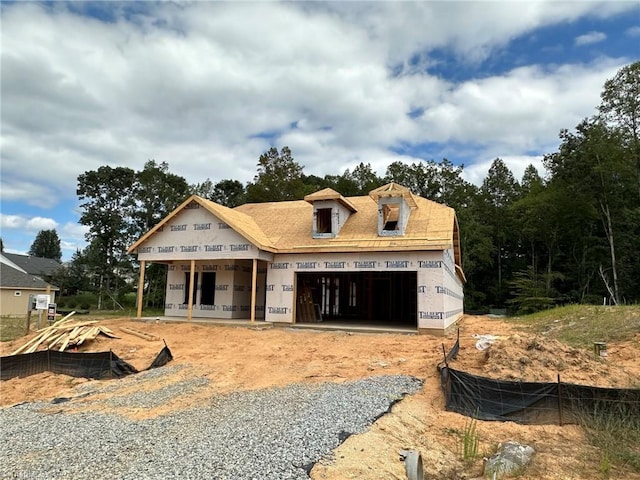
323	224
187	278
330	288
208	288
352	294
391	216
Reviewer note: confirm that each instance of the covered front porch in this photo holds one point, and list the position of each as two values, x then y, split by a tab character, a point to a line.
229	289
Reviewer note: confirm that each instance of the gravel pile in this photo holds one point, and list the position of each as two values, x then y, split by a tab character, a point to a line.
263	434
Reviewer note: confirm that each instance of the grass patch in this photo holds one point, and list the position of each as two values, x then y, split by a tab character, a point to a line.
581	325
12	328
617	436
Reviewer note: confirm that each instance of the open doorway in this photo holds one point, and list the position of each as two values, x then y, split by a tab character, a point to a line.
377	298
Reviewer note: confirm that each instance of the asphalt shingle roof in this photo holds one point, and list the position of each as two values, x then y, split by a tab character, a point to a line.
34	265
12	278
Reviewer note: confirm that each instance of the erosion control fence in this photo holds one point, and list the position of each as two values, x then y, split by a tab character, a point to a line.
99	365
531	402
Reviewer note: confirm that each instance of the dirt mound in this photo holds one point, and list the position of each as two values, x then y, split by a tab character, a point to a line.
519	355
539	359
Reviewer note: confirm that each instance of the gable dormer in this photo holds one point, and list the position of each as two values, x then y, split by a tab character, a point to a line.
330	212
395	203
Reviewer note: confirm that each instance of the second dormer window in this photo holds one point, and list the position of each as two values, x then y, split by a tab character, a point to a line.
391	216
324	220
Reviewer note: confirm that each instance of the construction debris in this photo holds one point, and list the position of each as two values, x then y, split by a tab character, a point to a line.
65	333
138	333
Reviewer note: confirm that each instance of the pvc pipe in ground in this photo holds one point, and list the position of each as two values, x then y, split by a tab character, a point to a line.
413	464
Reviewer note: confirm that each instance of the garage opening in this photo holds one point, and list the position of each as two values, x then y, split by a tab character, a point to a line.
376	298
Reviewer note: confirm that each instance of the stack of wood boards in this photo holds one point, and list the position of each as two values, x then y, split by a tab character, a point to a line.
306	311
63	334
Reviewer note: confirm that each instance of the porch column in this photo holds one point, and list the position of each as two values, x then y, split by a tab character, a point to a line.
191	278
254	282
141	286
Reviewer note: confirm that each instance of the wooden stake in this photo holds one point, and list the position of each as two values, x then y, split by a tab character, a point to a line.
254	281
140	288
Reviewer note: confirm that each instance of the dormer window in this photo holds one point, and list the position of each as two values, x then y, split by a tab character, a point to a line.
323	220
391	216
330	212
395	203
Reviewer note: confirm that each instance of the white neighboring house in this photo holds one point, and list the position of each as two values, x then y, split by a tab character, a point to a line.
17	283
390	258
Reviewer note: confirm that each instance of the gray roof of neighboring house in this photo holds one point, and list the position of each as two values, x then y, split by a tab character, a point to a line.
34	265
12	278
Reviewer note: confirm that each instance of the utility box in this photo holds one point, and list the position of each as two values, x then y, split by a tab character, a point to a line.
32	301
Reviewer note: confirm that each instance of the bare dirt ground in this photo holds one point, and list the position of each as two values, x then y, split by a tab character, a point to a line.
237	358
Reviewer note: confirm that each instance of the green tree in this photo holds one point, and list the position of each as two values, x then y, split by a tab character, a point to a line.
203	189
73	277
592	164
313	183
530	291
620	108
420	177
498	191
279	178
364	178
157	192
108	209
229	193
47	245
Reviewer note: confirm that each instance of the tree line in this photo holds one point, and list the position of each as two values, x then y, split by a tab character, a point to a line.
527	244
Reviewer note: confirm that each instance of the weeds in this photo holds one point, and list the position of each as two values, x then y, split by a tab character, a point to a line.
470	441
616	433
605	466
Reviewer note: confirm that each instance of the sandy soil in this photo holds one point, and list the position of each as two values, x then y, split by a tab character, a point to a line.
235	358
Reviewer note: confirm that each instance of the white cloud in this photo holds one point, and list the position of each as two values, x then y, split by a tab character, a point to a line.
196	85
590	38
521	111
73	231
71	234
30	224
633	31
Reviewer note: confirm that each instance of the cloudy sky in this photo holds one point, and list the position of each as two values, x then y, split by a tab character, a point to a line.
209	86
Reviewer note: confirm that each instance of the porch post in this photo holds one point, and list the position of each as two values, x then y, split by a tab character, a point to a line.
254	282
141	286
191	278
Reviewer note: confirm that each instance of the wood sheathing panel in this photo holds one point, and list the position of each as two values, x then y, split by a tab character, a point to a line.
288	225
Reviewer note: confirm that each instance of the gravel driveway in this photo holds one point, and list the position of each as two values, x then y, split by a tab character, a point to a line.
267	434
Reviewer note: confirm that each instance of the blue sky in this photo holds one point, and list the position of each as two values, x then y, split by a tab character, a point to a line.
209	86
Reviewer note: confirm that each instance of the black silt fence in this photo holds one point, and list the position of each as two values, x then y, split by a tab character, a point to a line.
98	365
532	402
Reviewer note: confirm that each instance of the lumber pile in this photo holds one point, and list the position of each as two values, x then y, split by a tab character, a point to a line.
306	311
64	334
